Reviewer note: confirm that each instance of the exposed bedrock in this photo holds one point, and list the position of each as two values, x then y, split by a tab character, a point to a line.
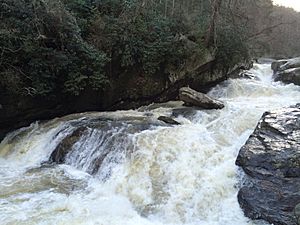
271	160
287	70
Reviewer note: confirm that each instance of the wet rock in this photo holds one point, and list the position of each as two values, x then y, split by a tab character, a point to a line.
244	74
271	160
168	120
287	71
248	75
154	106
98	144
65	146
289	76
193	98
291	63
277	64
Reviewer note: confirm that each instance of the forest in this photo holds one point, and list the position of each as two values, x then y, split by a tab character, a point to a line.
50	48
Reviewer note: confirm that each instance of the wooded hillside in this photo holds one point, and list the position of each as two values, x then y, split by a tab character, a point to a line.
70	45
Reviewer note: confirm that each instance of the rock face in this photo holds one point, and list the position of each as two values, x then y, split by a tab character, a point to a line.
193	98
289	76
277	64
287	71
271	160
168	120
291	63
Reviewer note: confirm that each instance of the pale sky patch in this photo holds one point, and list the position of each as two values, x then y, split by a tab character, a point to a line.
289	3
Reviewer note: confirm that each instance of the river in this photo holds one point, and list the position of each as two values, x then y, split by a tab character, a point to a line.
149	173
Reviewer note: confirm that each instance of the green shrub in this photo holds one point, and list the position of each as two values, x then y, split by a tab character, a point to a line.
42	42
231	47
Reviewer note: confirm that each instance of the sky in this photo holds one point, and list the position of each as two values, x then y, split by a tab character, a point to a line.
289	3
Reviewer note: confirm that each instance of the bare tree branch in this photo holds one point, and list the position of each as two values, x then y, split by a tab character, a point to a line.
267	29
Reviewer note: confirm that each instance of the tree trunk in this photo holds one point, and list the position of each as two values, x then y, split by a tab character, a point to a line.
211	32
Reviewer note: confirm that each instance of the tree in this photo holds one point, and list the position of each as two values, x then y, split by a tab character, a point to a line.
210	39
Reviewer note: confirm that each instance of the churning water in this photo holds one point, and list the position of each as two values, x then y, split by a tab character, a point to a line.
125	168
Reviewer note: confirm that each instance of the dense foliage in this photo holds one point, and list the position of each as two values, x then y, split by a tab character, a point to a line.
69	46
54	46
43	50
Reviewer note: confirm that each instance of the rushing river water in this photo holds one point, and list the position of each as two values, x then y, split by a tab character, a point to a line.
150	173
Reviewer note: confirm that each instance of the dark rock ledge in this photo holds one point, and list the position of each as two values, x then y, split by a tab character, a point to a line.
271	160
287	70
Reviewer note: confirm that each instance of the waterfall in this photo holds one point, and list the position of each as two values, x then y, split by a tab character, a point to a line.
126	167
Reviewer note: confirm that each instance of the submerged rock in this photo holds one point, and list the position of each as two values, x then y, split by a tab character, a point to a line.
287	71
193	98
65	146
168	120
248	75
96	145
271	159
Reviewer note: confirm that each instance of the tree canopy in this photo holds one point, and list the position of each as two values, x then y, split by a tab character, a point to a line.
68	46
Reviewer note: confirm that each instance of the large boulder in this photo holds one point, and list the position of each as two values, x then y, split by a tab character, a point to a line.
291	63
271	160
277	64
168	120
287	71
193	98
289	76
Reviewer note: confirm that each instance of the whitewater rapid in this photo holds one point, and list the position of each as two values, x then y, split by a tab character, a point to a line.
158	175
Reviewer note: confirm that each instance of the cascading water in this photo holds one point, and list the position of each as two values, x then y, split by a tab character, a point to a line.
126	168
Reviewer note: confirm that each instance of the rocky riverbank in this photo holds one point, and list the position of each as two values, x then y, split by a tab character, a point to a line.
129	90
271	161
287	70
